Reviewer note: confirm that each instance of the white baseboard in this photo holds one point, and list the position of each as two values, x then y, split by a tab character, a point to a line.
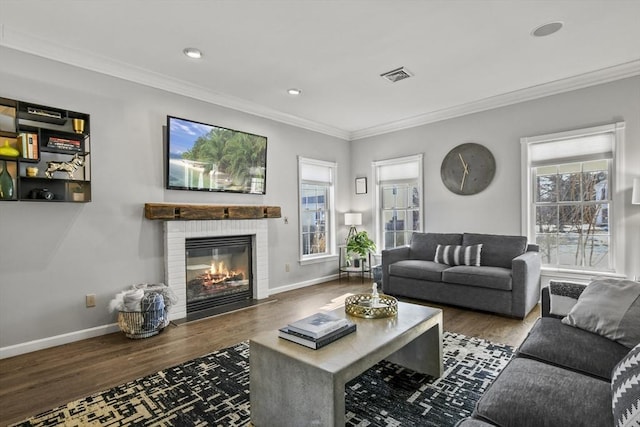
304	284
28	347
41	344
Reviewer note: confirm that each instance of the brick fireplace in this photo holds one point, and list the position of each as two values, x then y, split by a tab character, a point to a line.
179	226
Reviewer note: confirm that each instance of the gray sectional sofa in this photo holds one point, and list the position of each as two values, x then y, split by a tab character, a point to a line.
506	281
580	371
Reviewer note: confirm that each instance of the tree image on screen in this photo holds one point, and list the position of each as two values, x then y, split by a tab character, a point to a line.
211	158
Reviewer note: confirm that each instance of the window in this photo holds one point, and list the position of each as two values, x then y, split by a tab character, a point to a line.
316	184
398	200
569	197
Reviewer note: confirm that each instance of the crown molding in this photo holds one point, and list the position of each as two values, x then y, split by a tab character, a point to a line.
24	42
21	41
580	81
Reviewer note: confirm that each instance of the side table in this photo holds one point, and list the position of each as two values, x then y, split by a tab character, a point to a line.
343	268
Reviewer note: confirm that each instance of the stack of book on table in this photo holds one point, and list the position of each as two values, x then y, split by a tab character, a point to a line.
317	330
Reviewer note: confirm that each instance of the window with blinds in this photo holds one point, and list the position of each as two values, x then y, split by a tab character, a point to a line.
398	200
569	203
316	191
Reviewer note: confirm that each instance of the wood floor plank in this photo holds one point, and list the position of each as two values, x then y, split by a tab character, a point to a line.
38	381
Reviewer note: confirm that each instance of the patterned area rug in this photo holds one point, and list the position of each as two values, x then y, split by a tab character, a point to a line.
214	390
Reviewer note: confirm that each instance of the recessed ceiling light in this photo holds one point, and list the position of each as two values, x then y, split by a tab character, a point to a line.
293	91
547	29
192	52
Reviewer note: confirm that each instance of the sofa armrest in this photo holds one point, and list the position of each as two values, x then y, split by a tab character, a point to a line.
525	277
559	298
389	256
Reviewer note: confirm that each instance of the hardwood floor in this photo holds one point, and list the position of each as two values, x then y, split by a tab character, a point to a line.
41	380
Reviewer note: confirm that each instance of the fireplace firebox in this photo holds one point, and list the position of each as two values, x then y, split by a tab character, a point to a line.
219	274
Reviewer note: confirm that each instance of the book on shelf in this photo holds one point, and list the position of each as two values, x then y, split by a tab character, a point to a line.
64	143
315	344
317	325
28	144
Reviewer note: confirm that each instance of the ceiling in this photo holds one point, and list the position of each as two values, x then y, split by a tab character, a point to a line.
466	55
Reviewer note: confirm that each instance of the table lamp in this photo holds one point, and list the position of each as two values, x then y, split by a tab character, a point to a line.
352	219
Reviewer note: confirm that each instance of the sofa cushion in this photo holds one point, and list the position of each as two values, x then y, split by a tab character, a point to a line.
531	393
611	308
423	245
563	296
497	250
418	269
561	345
625	390
458	255
482	277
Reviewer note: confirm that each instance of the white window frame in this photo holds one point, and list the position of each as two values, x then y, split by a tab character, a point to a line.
377	207
330	227
528	219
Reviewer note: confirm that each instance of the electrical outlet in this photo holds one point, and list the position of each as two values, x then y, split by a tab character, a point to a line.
286	220
91	300
286	268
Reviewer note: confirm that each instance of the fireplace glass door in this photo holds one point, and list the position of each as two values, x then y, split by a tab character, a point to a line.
218	272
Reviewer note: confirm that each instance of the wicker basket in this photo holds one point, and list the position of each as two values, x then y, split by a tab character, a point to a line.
139	324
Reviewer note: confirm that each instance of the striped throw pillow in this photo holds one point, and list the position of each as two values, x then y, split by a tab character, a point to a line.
458	255
625	390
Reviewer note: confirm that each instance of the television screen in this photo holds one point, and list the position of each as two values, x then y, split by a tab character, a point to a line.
204	157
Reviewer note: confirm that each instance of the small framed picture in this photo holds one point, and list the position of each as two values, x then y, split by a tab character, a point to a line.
361	185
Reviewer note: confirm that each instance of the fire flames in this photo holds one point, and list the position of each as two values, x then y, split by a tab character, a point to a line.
220	273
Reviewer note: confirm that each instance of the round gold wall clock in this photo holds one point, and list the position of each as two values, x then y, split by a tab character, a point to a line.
468	169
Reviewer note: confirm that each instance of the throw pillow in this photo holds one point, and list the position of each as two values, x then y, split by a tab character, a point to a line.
458	255
563	296
611	308
625	390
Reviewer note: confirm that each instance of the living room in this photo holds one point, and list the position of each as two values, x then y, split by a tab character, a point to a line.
56	254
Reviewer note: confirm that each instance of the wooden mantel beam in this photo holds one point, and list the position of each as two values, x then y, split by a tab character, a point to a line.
185	212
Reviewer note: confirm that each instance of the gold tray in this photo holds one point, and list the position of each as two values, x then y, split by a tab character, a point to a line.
360	305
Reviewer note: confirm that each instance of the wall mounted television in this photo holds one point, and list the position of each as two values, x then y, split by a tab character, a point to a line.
204	157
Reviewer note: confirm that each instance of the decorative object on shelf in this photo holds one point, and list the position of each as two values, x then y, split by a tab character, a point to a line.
371	306
360	244
78	192
78	125
361	185
7	150
352	219
32	171
468	169
69	167
41	193
6	183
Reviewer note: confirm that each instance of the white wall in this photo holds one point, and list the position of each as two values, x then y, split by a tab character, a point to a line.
498	208
52	254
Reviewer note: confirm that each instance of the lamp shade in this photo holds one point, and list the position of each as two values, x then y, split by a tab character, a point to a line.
352	218
635	193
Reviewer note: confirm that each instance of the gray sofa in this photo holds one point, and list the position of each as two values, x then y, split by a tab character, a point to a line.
506	282
564	375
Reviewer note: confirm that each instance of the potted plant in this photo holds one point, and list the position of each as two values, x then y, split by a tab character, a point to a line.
359	244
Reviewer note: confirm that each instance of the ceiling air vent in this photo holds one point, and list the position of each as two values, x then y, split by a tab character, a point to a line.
397	74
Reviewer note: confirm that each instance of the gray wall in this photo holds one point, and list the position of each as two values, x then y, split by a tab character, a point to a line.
498	208
53	254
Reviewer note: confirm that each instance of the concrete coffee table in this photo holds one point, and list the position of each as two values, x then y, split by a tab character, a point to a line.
292	385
